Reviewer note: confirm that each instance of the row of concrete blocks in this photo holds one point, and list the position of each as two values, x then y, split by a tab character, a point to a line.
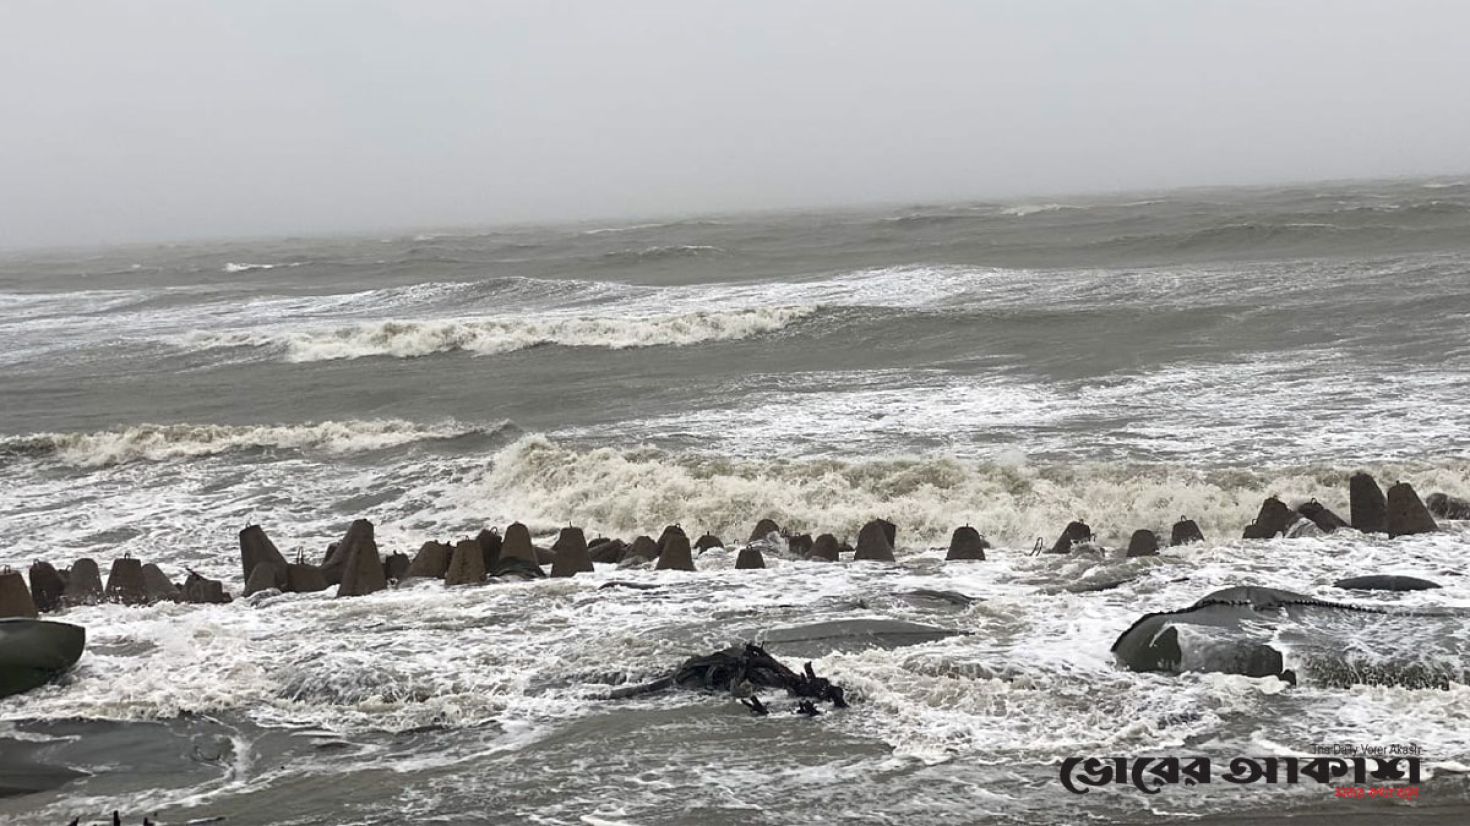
1399	513
355	566
130	582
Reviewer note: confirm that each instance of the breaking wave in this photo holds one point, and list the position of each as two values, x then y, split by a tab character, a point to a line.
232	267
1022	210
623	492
157	442
410	339
657	253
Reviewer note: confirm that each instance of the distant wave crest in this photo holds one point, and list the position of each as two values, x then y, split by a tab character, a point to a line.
232	267
670	251
411	339
160	442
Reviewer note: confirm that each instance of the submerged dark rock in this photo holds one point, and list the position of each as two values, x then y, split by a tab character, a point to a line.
1368	508
966	544
819	638
33	652
1445	506
824	549
1232	630
1256	530
1143	543
1076	533
1406	514
47	587
674	553
1385	582
1186	531
764	528
608	551
514	568
201	591
954	598
1321	516
643	547
875	542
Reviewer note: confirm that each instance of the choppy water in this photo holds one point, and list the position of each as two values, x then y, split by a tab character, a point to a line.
1011	365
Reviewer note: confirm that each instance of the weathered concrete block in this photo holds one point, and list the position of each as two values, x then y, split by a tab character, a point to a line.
302	578
966	543
1186	531
158	586
674	553
824	549
517	544
490	545
362	568
395	567
1367	506
1406	514
84	584
432	560
256	548
764	528
643	547
875	541
47	587
466	565
15	597
1075	533
750	557
571	553
1143	543
125	582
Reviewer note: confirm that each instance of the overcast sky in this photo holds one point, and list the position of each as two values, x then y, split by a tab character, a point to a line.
165	120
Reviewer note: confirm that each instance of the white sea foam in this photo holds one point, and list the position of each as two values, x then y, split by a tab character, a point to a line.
155	442
232	267
409	339
625	492
1022	210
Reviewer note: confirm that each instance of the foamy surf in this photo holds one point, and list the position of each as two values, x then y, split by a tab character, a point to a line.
232	267
628	491
413	339
158	442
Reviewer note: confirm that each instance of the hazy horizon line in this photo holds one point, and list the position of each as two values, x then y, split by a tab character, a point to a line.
396	231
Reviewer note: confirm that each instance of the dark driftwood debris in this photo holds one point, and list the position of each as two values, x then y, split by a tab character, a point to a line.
741	671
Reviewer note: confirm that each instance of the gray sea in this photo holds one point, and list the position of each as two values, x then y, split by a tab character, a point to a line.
1012	365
